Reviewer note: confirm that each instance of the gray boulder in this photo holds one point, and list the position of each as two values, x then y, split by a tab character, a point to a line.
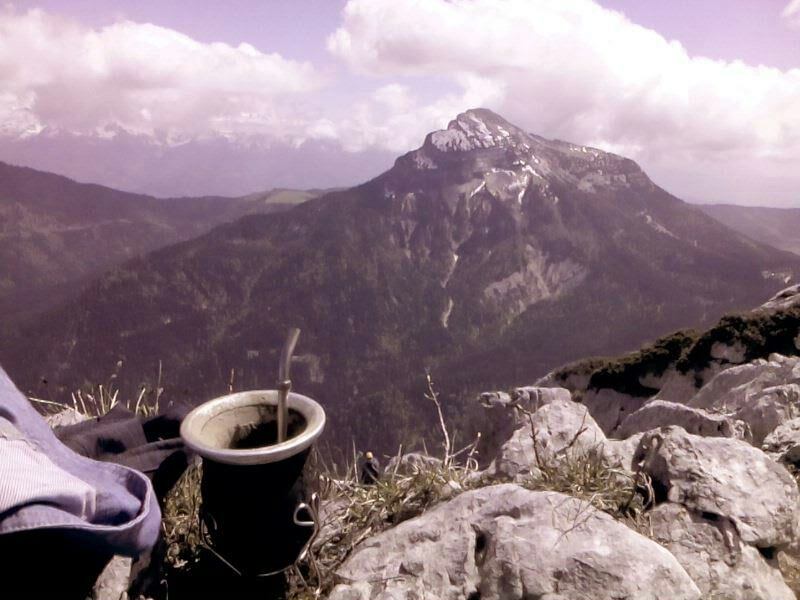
609	407
715	557
786	298
783	444
410	463
534	397
503	416
562	428
724	477
766	409
659	413
622	453
730	389
762	393
504	542
501	419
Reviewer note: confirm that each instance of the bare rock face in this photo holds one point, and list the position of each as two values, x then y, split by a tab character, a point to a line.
659	413
715	557
504	542
504	415
622	453
784	299
412	462
783	444
610	407
762	393
727	478
769	408
560	427
534	397
529	398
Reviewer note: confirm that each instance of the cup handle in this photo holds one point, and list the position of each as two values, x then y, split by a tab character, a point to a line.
312	508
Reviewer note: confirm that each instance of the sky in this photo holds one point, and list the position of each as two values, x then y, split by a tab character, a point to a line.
704	94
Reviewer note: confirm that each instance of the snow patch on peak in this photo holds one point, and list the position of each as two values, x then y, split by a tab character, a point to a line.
476	129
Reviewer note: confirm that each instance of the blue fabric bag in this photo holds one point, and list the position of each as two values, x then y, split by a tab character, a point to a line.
46	486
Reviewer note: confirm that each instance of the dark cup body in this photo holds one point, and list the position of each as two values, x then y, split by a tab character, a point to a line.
249	510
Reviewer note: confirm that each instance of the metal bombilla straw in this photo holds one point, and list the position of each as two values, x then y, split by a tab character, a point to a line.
284	383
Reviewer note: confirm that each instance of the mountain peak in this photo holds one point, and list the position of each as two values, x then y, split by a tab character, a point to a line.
479	140
477	128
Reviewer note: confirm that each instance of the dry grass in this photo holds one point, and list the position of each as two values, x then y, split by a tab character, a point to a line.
180	522
353	512
98	400
356	512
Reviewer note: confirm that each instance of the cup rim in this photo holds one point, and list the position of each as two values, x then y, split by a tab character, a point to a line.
192	424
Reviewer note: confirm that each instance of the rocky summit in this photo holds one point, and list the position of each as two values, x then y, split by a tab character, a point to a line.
720	510
488	257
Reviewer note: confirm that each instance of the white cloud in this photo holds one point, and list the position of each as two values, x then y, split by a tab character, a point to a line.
394	118
791	13
576	70
141	77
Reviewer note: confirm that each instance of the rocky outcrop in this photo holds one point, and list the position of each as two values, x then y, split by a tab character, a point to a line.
504	541
714	556
622	453
724	478
764	411
659	413
413	462
561	429
787	298
508	413
757	396
783	444
534	397
529	398
762	393
610	407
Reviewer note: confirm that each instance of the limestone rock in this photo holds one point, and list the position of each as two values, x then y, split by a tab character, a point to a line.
724	477
534	397
784	299
504	542
496	400
411	463
506	413
114	580
764	411
659	413
609	407
501	419
561	427
783	444
762	393
622	453
715	557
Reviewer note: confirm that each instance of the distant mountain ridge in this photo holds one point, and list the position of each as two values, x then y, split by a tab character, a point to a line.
779	227
55	233
209	166
488	256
